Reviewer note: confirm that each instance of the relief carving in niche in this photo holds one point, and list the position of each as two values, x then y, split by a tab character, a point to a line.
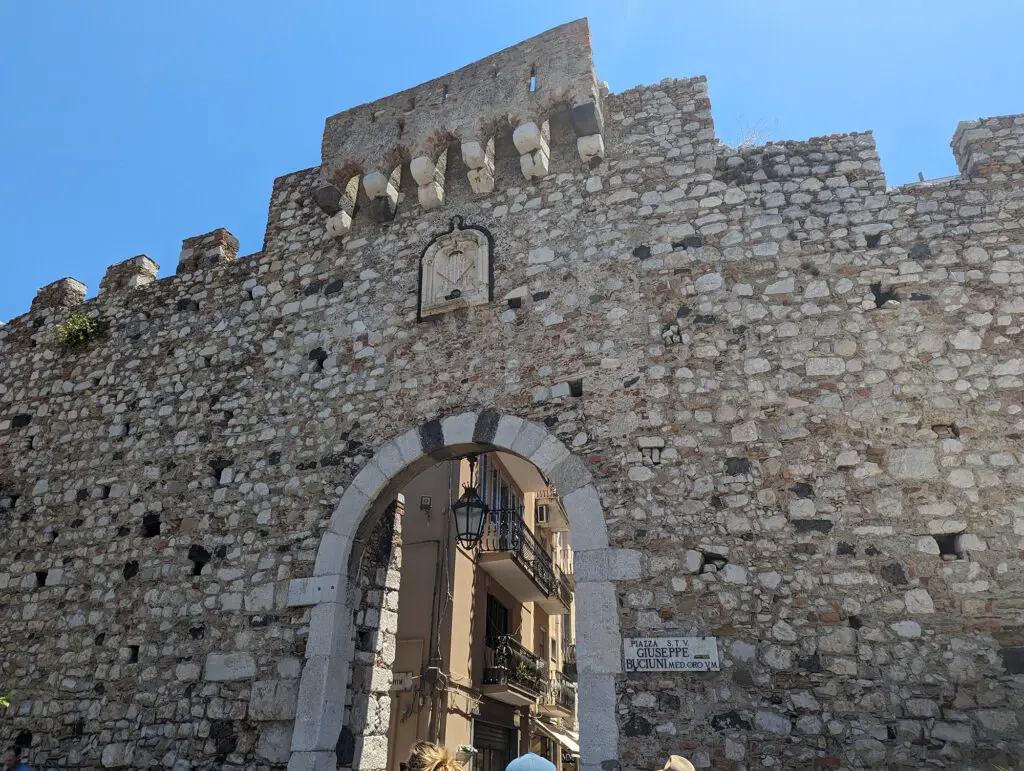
455	270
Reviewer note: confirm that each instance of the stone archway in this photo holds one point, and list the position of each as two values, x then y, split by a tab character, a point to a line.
329	652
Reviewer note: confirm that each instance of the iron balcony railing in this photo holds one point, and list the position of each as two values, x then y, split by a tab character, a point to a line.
561	692
509	663
506	531
569	661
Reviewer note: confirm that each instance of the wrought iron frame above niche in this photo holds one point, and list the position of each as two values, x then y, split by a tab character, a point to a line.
456	300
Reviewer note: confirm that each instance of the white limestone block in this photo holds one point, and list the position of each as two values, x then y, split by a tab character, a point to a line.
222	667
378	185
913	463
534	164
590	147
339	224
423	170
477	156
481	180
430	196
529	137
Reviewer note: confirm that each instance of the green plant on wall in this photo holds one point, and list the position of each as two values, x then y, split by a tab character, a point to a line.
78	331
5	701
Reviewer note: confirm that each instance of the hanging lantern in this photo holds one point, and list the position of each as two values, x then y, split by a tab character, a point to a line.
469	512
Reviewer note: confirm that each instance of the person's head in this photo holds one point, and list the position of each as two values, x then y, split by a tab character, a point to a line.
427	756
530	762
12	756
678	763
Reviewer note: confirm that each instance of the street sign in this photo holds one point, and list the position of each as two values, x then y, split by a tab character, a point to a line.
401	681
671	654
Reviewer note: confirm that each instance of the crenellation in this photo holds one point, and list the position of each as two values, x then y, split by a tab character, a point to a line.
206	251
990	148
62	294
131	274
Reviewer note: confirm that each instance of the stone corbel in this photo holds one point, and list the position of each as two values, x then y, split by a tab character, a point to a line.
531	141
338	224
588	127
479	160
338	206
383	195
429	176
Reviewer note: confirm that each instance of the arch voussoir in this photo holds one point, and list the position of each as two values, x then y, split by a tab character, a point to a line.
586	519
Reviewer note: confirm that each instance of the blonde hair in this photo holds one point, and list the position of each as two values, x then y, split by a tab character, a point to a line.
427	756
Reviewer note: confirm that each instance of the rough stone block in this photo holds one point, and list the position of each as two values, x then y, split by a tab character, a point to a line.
118	755
550	453
349	511
507	431
477	155
841	641
222	667
430	196
274	742
273	699
607	565
586	518
534	164
378	185
423	170
481	180
912	463
586	120
598	642
339	224
919	601
328	629
371	752
569	475
370	480
529	137
321	704
599	731
329	198
310	591
458	429
590	147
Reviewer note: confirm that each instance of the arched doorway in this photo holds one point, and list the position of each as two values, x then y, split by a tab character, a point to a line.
318	739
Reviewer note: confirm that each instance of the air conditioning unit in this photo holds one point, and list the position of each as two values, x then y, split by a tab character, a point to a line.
542	514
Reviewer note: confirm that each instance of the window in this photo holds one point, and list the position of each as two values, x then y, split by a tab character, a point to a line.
497	621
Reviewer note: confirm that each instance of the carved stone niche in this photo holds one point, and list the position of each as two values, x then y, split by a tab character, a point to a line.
456	270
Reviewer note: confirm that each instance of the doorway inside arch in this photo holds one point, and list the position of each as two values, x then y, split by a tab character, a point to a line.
482	658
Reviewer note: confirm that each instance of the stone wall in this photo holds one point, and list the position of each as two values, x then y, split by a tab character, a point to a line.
798	393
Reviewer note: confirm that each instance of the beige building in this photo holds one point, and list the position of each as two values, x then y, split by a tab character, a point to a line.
484	656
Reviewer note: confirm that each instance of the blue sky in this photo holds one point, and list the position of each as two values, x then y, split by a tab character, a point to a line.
128	126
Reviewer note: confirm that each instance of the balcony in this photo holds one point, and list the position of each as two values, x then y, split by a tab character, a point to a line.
513	556
560	698
569	662
549	512
512	674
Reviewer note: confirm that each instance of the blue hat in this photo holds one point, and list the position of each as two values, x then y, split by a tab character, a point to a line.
530	762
